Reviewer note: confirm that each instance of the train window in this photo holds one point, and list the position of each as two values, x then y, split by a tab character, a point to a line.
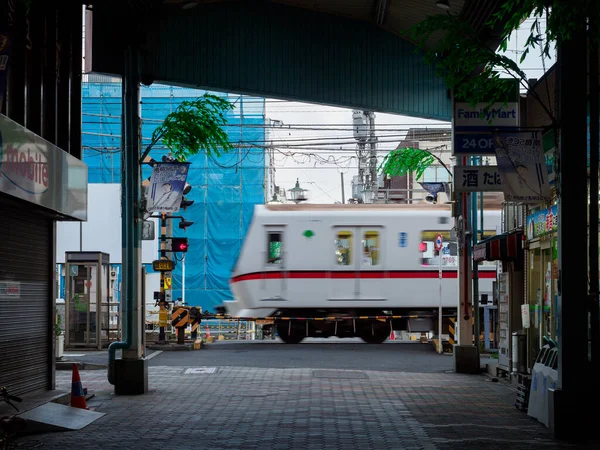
449	253
431	257
343	248
274	247
370	246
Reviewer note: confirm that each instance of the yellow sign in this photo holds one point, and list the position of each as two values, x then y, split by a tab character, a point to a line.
168	283
163	318
163	265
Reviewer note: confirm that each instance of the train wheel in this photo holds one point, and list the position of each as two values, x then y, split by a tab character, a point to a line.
374	333
290	335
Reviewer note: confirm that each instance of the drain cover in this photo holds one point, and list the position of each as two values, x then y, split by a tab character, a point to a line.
340	374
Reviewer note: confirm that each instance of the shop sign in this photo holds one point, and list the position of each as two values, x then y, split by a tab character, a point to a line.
479	252
10	289
473	125
542	223
39	172
477	179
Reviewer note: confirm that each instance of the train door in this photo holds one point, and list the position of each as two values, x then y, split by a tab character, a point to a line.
345	284
371	272
357	265
273	284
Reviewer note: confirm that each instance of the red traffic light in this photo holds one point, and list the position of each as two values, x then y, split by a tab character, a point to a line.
179	245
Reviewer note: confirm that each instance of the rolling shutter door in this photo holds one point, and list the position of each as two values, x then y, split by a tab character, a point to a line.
25	300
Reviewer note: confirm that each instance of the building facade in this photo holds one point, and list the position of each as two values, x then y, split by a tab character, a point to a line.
225	187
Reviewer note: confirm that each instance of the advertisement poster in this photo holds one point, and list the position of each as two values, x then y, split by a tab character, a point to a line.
542	223
522	166
166	187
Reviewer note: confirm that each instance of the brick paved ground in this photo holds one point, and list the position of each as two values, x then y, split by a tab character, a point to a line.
251	408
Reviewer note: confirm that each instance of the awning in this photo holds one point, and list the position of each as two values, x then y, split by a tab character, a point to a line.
502	247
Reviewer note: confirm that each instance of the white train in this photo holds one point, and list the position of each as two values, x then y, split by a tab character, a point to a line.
350	261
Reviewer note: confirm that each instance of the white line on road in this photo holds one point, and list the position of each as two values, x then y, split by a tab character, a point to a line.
152	355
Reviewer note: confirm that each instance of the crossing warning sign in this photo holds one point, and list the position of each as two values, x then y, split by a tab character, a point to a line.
168	282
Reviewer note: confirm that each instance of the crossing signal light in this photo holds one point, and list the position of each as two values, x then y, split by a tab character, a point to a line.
179	244
183	224
185	203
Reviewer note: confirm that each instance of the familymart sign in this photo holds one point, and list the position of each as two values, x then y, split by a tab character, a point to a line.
473	125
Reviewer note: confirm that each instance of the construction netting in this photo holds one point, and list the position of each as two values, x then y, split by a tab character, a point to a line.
225	188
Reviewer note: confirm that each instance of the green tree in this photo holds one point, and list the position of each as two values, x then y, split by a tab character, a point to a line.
194	127
474	71
406	160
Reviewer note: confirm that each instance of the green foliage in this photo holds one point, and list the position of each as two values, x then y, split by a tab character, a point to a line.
405	160
57	326
463	60
195	127
473	70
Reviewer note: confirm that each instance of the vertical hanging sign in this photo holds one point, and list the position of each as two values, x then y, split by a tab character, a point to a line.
166	186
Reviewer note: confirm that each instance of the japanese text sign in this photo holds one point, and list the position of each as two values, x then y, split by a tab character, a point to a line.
477	179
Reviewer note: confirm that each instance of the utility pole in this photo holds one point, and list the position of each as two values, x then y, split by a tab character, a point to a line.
343	196
372	154
361	135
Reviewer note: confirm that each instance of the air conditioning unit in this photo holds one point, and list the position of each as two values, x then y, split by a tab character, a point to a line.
113	274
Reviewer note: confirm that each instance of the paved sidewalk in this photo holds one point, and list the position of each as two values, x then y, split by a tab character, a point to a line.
250	408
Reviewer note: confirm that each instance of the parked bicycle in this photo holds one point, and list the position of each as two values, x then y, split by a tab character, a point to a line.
12	426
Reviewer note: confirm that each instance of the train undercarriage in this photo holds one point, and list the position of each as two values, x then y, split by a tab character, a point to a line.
368	324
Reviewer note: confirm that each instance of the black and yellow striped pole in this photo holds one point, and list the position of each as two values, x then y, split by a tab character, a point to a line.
195	321
179	319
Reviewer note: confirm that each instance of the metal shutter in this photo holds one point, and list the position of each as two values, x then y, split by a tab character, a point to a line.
25	258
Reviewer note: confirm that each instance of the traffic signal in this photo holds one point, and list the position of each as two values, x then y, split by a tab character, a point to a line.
185	203
183	224
179	244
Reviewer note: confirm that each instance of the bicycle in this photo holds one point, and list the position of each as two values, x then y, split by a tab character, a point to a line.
12	426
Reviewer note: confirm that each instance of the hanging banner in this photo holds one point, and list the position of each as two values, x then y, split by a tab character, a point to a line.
522	167
166	186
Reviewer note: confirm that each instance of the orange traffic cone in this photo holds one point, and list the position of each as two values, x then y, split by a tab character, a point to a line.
207	332
77	395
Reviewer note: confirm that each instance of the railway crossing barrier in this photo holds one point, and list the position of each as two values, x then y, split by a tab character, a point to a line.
195	319
179	319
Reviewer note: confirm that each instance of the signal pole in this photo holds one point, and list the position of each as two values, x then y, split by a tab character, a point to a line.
162	313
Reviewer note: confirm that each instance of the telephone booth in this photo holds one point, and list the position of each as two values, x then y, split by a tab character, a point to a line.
92	317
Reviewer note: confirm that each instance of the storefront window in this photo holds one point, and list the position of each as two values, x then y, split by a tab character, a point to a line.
542	295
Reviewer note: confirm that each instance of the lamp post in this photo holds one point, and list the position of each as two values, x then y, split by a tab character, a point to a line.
297	194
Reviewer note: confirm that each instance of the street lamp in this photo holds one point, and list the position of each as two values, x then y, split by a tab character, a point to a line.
297	194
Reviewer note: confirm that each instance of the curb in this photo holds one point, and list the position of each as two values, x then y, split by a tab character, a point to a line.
68	365
187	347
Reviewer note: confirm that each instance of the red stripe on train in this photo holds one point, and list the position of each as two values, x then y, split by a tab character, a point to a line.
320	274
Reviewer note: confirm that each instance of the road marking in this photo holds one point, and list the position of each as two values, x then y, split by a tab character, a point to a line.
198	370
73	354
152	355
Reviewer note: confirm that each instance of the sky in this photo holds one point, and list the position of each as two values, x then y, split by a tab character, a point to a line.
324	147
328	147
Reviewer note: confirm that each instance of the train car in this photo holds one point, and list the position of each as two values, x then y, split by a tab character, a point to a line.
336	261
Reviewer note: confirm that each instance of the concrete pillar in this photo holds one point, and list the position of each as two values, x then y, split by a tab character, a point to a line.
131	371
571	400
